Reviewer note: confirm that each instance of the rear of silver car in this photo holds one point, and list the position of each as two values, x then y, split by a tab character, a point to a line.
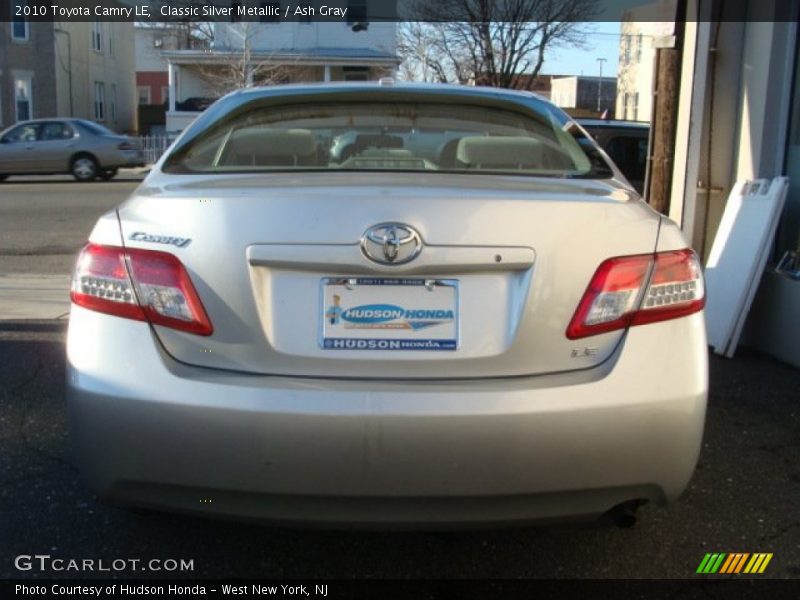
393	338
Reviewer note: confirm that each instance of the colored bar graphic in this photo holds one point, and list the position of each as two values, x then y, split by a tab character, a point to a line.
711	563
703	564
758	563
765	563
741	562
733	563
715	567
732	559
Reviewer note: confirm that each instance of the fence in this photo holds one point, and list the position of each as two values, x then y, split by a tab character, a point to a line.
154	146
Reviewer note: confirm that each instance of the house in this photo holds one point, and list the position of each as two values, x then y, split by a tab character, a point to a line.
583	93
152	78
636	66
261	53
67	69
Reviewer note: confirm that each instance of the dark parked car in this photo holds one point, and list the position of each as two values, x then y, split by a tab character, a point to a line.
626	143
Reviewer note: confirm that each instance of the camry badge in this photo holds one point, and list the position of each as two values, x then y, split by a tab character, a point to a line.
141	236
391	243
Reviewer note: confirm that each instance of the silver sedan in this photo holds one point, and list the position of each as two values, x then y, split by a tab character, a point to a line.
498	331
76	146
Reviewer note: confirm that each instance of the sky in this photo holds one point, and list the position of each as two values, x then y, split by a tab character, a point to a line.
602	41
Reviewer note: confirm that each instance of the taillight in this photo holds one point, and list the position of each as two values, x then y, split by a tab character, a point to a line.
634	290
126	146
138	284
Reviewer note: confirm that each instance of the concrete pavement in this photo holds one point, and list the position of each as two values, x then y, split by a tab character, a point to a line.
34	296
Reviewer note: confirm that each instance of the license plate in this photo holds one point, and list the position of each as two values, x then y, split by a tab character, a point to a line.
389	314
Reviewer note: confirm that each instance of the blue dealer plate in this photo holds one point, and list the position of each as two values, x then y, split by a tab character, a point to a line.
367	313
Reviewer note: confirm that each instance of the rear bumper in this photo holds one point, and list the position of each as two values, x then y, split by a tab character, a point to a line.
124	159
154	432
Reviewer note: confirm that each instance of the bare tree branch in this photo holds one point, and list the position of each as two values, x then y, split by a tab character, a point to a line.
500	43
235	65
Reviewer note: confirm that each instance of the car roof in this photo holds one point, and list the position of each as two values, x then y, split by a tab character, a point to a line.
377	86
48	120
613	123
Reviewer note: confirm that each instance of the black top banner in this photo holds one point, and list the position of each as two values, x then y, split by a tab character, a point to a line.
364	11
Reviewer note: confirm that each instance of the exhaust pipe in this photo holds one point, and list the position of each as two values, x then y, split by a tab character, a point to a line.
623	515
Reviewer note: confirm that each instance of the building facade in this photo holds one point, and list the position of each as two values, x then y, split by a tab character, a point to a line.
593	95
67	69
639	38
263	53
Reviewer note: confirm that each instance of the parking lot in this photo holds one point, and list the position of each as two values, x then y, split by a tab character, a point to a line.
745	496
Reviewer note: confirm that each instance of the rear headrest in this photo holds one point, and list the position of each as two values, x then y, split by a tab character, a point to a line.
483	151
265	142
393	152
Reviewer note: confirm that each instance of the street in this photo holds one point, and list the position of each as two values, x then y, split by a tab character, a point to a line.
44	221
745	495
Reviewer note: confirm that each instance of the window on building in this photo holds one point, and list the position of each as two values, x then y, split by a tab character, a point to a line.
355	73
23	98
635	106
111	39
356	11
99	101
165	94
20	27
97	36
639	48
625	105
143	94
626	49
274	15
113	101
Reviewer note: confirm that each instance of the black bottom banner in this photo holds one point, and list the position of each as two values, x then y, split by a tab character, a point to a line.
529	589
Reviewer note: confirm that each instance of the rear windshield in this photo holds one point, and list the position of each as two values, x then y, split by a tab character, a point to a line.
368	136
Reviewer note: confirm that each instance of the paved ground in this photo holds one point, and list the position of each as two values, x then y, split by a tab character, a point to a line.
745	497
45	220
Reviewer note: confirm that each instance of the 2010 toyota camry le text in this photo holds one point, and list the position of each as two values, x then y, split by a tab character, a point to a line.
383	304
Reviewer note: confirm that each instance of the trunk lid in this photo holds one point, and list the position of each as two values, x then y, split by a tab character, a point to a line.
261	248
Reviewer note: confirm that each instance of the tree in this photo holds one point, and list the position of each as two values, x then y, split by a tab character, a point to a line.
500	43
235	65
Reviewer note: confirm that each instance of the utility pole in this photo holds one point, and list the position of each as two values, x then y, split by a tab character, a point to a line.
658	182
600	83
